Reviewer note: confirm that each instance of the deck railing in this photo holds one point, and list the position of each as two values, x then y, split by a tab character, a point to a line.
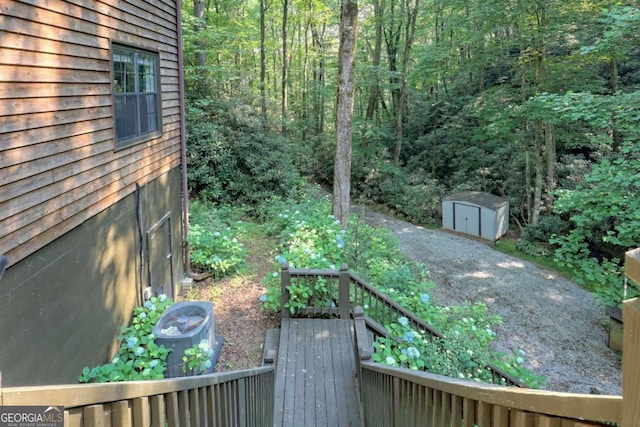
240	398
337	292
403	397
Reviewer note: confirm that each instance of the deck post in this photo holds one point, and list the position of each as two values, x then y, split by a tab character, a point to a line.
630	367
285	282
343	292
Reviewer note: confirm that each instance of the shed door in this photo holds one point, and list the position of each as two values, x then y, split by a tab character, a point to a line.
466	219
160	262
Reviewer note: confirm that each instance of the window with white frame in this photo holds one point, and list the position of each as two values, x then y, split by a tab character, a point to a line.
136	94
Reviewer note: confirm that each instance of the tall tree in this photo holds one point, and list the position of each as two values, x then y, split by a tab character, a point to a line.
344	118
318	33
410	30
374	90
201	48
263	58
285	65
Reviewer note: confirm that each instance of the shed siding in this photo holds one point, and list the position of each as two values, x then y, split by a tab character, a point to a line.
58	166
477	214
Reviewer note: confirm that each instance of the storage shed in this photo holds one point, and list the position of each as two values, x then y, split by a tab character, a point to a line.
475	213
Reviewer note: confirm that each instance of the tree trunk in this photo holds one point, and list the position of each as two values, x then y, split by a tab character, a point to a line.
318	78
344	124
201	49
392	32
305	83
410	30
285	64
263	60
527	176
374	91
540	85
539	172
616	136
550	149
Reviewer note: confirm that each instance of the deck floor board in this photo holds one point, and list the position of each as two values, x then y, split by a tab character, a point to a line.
316	385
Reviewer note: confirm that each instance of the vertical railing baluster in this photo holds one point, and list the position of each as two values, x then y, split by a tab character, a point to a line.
343	300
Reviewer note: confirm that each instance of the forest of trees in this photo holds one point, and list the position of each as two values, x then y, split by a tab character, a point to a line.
536	101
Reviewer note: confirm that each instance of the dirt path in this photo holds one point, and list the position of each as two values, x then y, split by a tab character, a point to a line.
555	321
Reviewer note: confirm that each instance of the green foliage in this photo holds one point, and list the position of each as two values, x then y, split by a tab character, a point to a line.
547	226
232	159
466	350
218	252
602	210
514	364
197	357
414	197
309	238
214	245
449	356
533	249
535	237
620	33
139	357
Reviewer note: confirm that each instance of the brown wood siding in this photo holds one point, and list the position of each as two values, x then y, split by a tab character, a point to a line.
58	163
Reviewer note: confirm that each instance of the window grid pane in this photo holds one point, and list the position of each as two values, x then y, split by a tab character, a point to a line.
124	78
148	113
126	117
147	73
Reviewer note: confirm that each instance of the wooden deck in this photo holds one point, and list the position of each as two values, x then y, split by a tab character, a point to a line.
316	383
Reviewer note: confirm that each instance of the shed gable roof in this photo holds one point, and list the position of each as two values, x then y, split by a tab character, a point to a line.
479	198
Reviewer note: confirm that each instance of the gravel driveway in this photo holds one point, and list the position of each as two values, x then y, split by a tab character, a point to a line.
555	321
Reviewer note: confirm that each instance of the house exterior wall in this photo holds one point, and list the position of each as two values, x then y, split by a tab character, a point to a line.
75	212
62	307
58	166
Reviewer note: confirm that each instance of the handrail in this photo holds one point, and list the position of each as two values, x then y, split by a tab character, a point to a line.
225	398
351	291
363	345
399	396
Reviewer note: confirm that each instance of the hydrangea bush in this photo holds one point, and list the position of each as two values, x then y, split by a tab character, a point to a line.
214	245
310	238
198	357
139	357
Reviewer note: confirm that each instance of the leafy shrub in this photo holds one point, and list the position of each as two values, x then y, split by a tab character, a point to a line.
214	245
451	356
548	225
231	157
531	248
310	237
139	357
218	252
414	197
197	357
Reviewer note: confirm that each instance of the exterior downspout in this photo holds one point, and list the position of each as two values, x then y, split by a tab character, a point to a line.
183	151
